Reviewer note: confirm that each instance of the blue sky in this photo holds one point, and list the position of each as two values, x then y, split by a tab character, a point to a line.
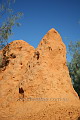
42	15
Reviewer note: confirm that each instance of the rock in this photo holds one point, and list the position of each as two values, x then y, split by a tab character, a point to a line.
36	84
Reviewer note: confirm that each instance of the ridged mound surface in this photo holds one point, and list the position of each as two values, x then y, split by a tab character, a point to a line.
36	85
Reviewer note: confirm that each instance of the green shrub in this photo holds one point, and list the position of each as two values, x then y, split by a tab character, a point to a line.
4	61
1	61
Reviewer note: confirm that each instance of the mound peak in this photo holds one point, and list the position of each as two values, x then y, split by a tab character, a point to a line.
36	83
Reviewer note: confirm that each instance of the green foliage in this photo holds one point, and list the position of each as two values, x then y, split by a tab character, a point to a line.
1	59
74	65
4	59
10	20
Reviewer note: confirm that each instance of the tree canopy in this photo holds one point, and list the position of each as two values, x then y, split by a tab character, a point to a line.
74	65
10	20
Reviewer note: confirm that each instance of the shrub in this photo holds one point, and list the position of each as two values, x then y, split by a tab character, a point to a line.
1	61
4	61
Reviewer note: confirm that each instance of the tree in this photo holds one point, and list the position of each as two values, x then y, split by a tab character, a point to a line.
74	65
10	20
